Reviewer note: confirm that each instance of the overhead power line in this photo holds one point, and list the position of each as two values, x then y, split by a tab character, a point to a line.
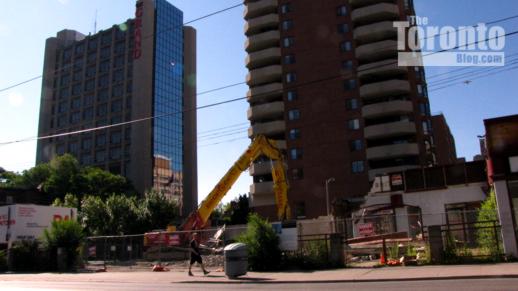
238	99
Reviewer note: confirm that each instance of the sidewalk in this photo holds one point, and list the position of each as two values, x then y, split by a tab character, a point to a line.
508	270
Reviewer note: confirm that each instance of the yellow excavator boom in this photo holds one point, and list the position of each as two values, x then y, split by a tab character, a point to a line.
260	146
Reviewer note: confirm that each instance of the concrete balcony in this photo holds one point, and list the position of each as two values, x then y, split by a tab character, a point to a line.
377	51
385	88
389	129
264	75
384	171
261	188
263	40
263	168
361	3
375	32
381	69
375	13
271	56
392	151
268	128
262	23
266	111
254	9
262	199
265	93
396	107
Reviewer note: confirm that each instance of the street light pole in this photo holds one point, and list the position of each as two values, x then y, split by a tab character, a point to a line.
327	193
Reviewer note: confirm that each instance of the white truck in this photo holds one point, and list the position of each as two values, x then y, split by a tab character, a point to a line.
27	221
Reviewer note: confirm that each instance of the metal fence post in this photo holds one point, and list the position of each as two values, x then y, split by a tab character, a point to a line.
496	237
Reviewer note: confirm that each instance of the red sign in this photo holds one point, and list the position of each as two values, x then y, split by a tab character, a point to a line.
366	229
137	52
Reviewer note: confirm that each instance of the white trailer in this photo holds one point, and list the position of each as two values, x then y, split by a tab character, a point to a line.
27	221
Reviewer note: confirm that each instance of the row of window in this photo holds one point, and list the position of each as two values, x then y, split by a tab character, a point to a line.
340	10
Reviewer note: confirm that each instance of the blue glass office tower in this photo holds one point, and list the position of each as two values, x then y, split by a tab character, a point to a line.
135	70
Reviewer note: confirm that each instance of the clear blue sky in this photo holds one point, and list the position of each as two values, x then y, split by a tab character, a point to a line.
24	26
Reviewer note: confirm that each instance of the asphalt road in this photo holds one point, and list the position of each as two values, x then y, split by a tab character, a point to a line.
457	285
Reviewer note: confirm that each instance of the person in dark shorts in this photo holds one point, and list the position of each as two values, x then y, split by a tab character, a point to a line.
194	248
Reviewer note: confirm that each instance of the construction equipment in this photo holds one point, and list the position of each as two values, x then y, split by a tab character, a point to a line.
260	146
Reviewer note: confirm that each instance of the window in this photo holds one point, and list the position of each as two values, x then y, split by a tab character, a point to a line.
88	100
65	80
350	84
90	71
75	117
427	127
288	41
358	167
297	174
78	75
287	24
99	156
117	91
90	85
86	159
117	106
62	107
115	137
92	44
120	48
118	76
104	66
341	11
294	133
352	104
100	140
60	149
119	62
106	39
347	65
423	109
115	153
343	28
289	59
106	52
76	89
296	154
286	8
88	114
291	77
356	145
80	49
102	95
292	95
76	103
103	81
420	90
73	147
92	57
64	93
86	144
294	114
346	46
102	110
353	124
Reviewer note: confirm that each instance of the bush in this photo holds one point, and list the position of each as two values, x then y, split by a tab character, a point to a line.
313	255
68	235
3	261
263	244
486	238
25	256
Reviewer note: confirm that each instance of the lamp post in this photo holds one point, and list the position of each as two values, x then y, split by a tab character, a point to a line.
327	193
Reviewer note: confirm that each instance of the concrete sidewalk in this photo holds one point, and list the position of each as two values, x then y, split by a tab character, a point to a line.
507	270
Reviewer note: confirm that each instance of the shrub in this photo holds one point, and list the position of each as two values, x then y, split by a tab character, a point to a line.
263	244
486	238
25	257
3	261
67	234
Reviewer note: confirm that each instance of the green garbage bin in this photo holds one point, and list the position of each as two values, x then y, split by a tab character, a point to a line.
236	260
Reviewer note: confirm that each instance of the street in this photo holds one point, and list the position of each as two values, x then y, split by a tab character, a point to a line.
457	285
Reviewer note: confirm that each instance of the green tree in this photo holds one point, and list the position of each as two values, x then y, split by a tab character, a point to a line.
158	211
102	183
485	218
35	177
263	244
94	215
65	177
70	200
123	215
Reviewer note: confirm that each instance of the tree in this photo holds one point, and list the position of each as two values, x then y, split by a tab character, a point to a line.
158	210
65	177
70	200
102	183
239	210
35	177
66	234
486	216
262	243
123	217
94	215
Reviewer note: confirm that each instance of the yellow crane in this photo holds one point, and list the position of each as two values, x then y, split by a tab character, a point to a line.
260	146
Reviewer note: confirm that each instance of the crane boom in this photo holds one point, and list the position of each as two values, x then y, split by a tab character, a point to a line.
260	146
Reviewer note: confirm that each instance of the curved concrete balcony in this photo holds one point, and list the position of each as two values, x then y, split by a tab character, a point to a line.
263	168
259	24
377	51
392	151
263	58
389	129
264	75
385	88
375	32
373	173
381	69
265	93
375	13
396	107
261	188
254	9
361	3
263	40
268	128
266	111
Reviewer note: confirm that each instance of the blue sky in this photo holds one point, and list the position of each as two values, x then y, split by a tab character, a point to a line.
24	26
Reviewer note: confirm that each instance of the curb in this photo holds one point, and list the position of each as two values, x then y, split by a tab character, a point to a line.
266	281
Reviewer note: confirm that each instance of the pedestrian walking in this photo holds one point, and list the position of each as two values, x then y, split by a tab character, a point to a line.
194	248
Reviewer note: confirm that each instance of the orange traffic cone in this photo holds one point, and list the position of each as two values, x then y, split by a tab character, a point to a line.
383	262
